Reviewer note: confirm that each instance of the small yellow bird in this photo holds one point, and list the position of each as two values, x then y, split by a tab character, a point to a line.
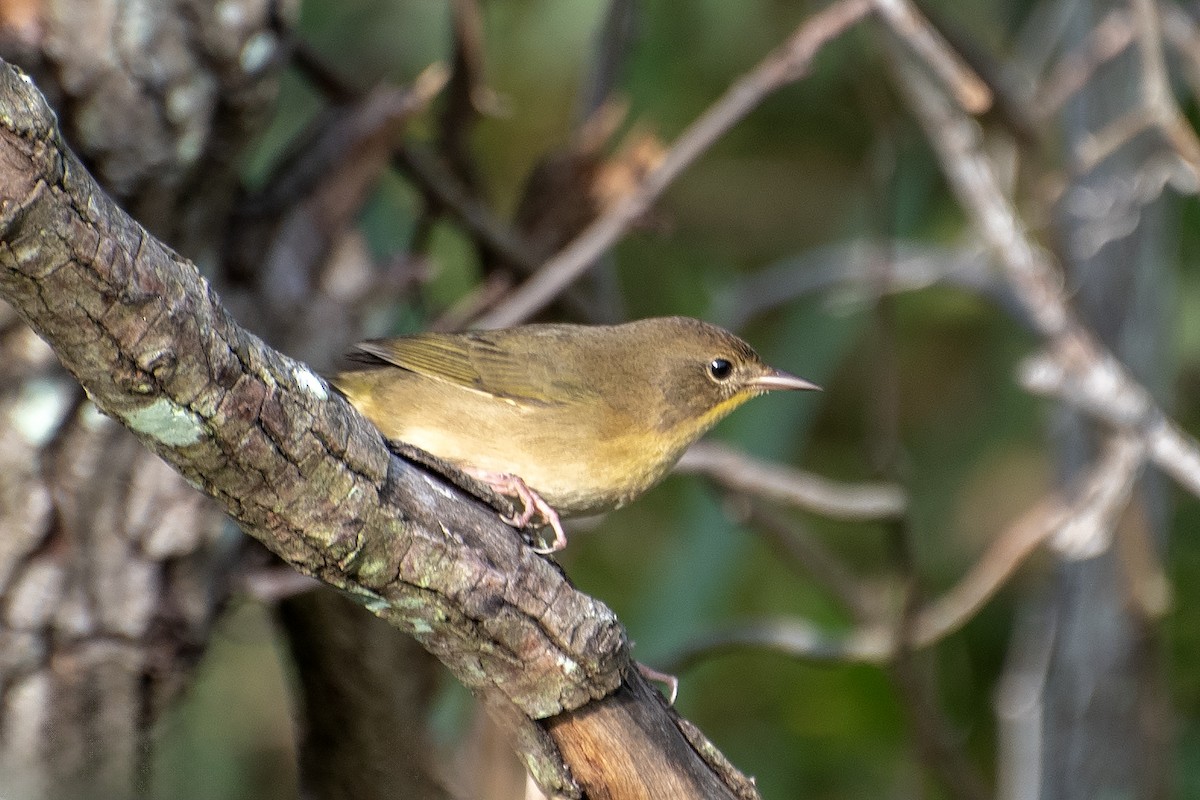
570	419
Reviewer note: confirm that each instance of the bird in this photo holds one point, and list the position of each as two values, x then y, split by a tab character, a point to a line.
567	419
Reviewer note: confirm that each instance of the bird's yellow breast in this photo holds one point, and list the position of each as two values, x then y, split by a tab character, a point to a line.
580	460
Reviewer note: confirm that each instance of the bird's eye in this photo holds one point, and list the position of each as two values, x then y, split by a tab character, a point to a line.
720	368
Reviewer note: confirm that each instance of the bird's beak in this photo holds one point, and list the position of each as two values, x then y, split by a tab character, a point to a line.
777	379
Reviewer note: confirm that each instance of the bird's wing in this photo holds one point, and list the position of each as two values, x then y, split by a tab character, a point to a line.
484	361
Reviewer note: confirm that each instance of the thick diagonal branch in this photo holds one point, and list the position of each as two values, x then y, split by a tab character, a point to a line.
301	471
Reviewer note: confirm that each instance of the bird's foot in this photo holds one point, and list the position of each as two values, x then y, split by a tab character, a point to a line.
532	505
666	679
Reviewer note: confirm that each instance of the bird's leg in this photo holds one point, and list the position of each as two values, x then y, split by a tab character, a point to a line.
532	505
490	487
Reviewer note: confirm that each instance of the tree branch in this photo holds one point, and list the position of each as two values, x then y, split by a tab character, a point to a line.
739	472
1076	367
1077	523
298	469
788	63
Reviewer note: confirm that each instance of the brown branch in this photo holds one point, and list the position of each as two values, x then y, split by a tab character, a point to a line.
907	22
1111	36
432	176
1074	524
298	469
785	65
455	198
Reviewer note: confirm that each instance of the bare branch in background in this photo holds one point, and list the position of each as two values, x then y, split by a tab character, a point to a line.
792	637
1157	108
787	64
286	236
1098	383
1073	372
1107	40
1089	531
1089	516
467	96
1153	119
1020	710
1086	516
456	199
907	22
467	99
613	44
739	472
449	193
843	274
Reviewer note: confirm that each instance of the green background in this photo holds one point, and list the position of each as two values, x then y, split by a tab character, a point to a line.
830	159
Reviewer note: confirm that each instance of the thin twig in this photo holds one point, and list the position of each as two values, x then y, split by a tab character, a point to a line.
907	22
794	637
335	140
433	177
1090	516
1156	87
1156	109
785	65
1111	36
842	273
739	472
1097	504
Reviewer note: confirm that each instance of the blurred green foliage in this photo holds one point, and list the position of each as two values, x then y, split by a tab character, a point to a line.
832	158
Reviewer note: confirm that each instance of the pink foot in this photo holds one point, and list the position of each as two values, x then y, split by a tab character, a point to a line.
532	505
670	681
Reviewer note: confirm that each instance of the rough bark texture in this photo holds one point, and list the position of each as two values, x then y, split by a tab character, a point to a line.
158	98
102	604
299	470
627	730
112	569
